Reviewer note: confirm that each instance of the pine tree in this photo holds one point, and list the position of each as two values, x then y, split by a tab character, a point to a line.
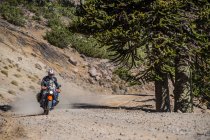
169	32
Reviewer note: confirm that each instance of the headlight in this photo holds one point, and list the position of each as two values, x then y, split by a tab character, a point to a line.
51	92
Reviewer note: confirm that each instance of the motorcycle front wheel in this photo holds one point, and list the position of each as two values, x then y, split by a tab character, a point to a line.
48	107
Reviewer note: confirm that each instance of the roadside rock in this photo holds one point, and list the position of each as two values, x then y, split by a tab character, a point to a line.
93	72
91	81
72	61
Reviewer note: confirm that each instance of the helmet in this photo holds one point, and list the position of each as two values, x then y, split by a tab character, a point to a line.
51	72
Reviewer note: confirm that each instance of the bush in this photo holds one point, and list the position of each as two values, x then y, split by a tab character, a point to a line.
89	47
11	92
62	37
123	73
21	89
14	83
32	87
55	21
59	36
12	14
4	72
5	67
17	75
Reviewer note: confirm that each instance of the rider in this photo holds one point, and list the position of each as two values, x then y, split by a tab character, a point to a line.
44	84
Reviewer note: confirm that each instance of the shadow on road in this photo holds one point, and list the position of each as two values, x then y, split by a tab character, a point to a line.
5	108
146	108
140	94
148	100
31	115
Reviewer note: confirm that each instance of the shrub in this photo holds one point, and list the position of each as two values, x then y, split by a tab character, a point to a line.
68	12
14	83
59	36
17	75
21	89
19	69
54	21
6	67
11	66
32	87
89	47
36	17
4	72
123	73
1	96
11	92
33	79
12	14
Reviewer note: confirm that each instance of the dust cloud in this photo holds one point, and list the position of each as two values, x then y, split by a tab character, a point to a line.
27	104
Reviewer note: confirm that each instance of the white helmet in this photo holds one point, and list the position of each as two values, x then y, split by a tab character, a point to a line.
51	72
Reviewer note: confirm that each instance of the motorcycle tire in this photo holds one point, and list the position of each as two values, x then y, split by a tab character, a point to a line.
49	106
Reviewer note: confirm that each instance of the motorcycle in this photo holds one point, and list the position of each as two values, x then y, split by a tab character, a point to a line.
50	99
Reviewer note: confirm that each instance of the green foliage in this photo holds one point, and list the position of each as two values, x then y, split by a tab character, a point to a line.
59	36
12	13
169	30
62	38
89	47
123	73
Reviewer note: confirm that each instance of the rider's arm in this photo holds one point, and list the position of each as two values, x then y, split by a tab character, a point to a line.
56	83
43	83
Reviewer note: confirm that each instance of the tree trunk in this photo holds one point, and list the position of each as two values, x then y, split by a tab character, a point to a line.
182	89
162	92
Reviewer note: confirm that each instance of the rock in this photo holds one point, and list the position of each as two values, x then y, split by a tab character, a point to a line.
97	78
109	78
115	88
91	81
75	70
85	64
83	56
72	61
20	59
104	73
93	72
38	66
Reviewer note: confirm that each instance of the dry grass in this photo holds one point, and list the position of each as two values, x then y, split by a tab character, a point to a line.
33	79
39	82
14	83
11	66
6	67
32	87
21	89
17	75
1	96
11	92
19	70
4	72
36	76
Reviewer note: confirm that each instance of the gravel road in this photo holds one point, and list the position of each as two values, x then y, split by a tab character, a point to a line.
91	122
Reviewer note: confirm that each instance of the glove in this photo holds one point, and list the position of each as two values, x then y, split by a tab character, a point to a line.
43	88
58	90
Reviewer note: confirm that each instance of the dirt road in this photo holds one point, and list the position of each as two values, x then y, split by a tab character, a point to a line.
114	118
